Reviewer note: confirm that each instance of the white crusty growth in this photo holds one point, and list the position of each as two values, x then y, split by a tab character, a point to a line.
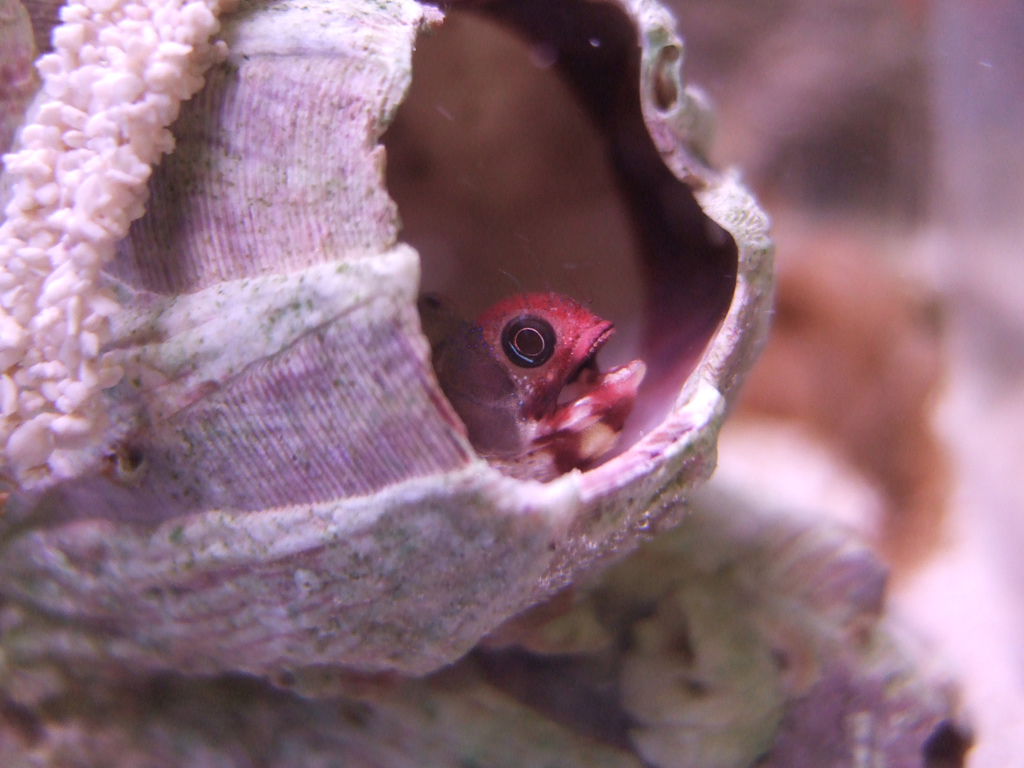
118	73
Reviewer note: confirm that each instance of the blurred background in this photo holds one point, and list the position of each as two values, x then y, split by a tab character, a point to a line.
886	140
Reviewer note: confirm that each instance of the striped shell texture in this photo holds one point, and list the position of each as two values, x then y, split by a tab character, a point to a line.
225	448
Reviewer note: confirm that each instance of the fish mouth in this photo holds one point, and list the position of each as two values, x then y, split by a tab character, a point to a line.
582	378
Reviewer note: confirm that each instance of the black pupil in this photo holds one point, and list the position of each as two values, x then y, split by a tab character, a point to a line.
528	341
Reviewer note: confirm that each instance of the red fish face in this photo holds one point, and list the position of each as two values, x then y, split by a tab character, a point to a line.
524	380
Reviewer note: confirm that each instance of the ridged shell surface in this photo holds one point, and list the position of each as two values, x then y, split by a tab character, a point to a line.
281	484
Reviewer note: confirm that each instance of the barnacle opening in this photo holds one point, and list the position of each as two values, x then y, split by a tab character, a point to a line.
520	160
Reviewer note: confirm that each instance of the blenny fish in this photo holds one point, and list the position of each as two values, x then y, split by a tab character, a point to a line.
524	379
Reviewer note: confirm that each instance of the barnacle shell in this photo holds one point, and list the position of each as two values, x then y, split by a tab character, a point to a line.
280	484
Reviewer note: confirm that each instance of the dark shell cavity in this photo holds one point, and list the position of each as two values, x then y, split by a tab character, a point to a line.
521	160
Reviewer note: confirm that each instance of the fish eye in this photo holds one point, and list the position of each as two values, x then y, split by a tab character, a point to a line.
528	341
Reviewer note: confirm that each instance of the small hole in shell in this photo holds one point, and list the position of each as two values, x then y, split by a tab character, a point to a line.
126	463
665	78
946	747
